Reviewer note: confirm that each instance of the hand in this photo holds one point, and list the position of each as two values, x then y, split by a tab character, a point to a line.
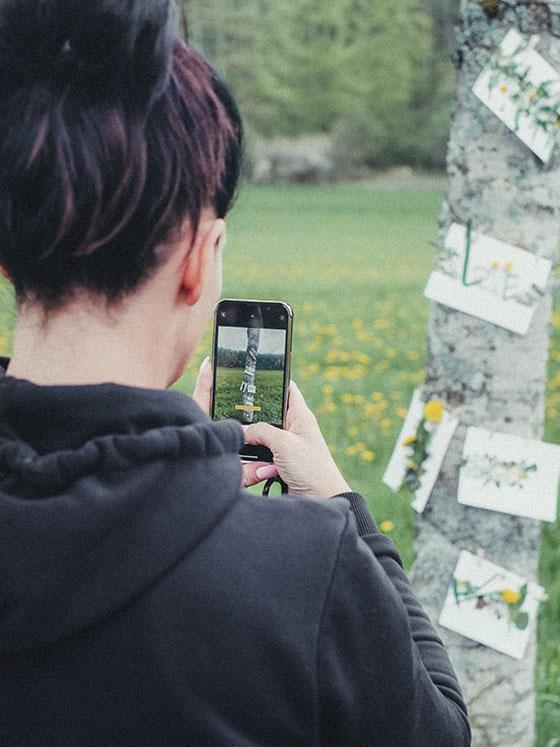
301	455
201	395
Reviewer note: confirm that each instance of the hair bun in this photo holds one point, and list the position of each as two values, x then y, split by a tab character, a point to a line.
110	48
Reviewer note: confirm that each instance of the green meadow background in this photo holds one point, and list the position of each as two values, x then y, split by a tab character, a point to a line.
353	260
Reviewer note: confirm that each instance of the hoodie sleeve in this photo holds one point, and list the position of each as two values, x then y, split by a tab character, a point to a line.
383	674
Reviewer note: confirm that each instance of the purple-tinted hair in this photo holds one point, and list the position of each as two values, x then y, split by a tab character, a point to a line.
100	166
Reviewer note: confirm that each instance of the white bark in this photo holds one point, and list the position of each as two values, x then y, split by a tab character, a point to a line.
498	378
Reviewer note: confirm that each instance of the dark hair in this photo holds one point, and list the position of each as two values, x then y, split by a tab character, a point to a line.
112	134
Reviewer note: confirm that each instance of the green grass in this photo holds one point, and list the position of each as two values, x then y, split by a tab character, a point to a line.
352	261
268	396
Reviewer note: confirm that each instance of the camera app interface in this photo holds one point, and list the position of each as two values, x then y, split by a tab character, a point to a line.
250	374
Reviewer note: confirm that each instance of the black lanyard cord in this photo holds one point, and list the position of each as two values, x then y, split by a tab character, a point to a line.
270	482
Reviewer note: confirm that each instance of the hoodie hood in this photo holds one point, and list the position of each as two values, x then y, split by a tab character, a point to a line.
103	488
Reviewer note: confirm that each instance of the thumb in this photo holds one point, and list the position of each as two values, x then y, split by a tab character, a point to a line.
203	387
265	434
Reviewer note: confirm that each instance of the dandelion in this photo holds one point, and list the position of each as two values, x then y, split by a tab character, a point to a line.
387	526
346	398
509	596
402	412
408	441
368	456
327	389
433	411
386	423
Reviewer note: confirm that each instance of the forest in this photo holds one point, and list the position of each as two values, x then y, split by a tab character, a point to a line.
375	79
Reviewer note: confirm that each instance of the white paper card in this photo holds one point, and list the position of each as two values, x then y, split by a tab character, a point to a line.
439	443
483	614
499	96
510	474
499	283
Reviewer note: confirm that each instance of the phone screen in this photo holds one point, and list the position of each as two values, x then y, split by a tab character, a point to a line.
252	345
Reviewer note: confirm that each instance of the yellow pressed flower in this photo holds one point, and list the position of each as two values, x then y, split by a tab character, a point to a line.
508	266
409	440
503	89
387	526
495	264
368	456
433	411
509	596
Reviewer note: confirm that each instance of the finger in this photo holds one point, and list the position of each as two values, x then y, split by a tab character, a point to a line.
256	472
265	434
299	414
203	387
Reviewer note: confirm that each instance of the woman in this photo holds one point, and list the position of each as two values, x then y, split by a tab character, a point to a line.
145	598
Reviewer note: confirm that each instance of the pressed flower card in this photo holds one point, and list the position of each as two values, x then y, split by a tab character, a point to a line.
523	90
423	441
510	474
491	605
489	279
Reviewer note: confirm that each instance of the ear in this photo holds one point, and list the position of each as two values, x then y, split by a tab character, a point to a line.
5	273
209	242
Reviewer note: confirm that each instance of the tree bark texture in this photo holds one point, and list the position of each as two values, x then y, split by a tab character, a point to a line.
495	377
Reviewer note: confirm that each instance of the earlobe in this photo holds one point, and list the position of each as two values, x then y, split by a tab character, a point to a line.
5	273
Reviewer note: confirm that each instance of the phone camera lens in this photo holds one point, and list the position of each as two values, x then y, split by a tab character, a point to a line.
282	317
223	314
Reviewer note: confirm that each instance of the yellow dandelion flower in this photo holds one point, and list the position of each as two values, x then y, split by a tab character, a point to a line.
327	389
368	456
402	412
509	596
346	398
351	450
353	431
409	440
387	526
386	423
360	446
433	411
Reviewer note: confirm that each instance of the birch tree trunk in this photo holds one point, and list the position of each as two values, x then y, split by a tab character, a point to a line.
497	377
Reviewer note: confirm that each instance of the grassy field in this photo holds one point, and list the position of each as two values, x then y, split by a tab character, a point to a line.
268	396
353	261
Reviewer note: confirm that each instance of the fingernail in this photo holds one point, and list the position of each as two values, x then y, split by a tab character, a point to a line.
205	362
264	473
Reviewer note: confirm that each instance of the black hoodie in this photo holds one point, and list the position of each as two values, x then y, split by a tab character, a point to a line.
145	599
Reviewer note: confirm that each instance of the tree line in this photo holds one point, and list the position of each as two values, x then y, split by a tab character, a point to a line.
227	358
375	75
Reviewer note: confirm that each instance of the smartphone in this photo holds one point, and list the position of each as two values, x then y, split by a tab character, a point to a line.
251	365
